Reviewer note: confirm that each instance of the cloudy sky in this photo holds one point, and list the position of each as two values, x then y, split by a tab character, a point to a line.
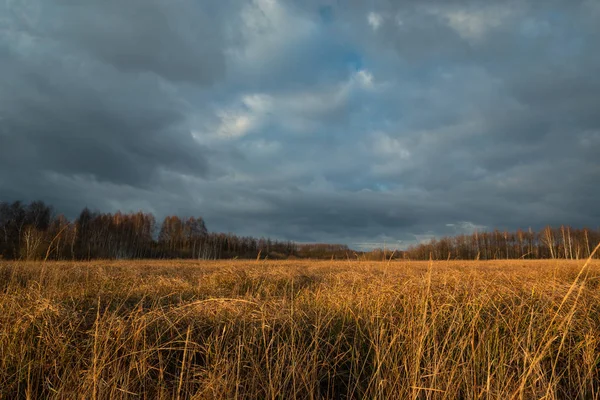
339	121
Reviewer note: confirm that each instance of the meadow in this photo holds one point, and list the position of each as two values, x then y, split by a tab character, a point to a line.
300	329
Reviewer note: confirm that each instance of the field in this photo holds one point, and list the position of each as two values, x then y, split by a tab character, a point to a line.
300	329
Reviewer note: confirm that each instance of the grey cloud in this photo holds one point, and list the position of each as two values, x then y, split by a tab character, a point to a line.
496	130
63	110
180	40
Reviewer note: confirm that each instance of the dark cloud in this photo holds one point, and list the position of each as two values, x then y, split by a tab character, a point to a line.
65	111
178	40
313	121
115	130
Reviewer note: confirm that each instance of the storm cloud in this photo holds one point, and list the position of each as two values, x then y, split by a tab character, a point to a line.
354	122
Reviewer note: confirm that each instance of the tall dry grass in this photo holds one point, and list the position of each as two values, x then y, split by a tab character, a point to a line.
280	330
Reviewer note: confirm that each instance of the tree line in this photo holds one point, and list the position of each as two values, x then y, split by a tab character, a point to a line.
33	232
562	242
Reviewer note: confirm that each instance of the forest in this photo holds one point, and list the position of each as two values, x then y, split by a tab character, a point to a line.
562	242
33	231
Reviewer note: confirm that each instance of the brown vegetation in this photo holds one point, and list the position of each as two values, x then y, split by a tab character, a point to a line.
300	329
549	243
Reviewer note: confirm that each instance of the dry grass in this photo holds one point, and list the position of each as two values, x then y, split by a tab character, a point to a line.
300	329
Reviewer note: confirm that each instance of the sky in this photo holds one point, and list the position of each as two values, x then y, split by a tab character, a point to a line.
356	122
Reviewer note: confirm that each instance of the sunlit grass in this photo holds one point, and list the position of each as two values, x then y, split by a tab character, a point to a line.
300	329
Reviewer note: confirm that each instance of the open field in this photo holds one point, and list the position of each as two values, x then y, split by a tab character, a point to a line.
300	329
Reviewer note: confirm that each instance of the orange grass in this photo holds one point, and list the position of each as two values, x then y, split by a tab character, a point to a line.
300	329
